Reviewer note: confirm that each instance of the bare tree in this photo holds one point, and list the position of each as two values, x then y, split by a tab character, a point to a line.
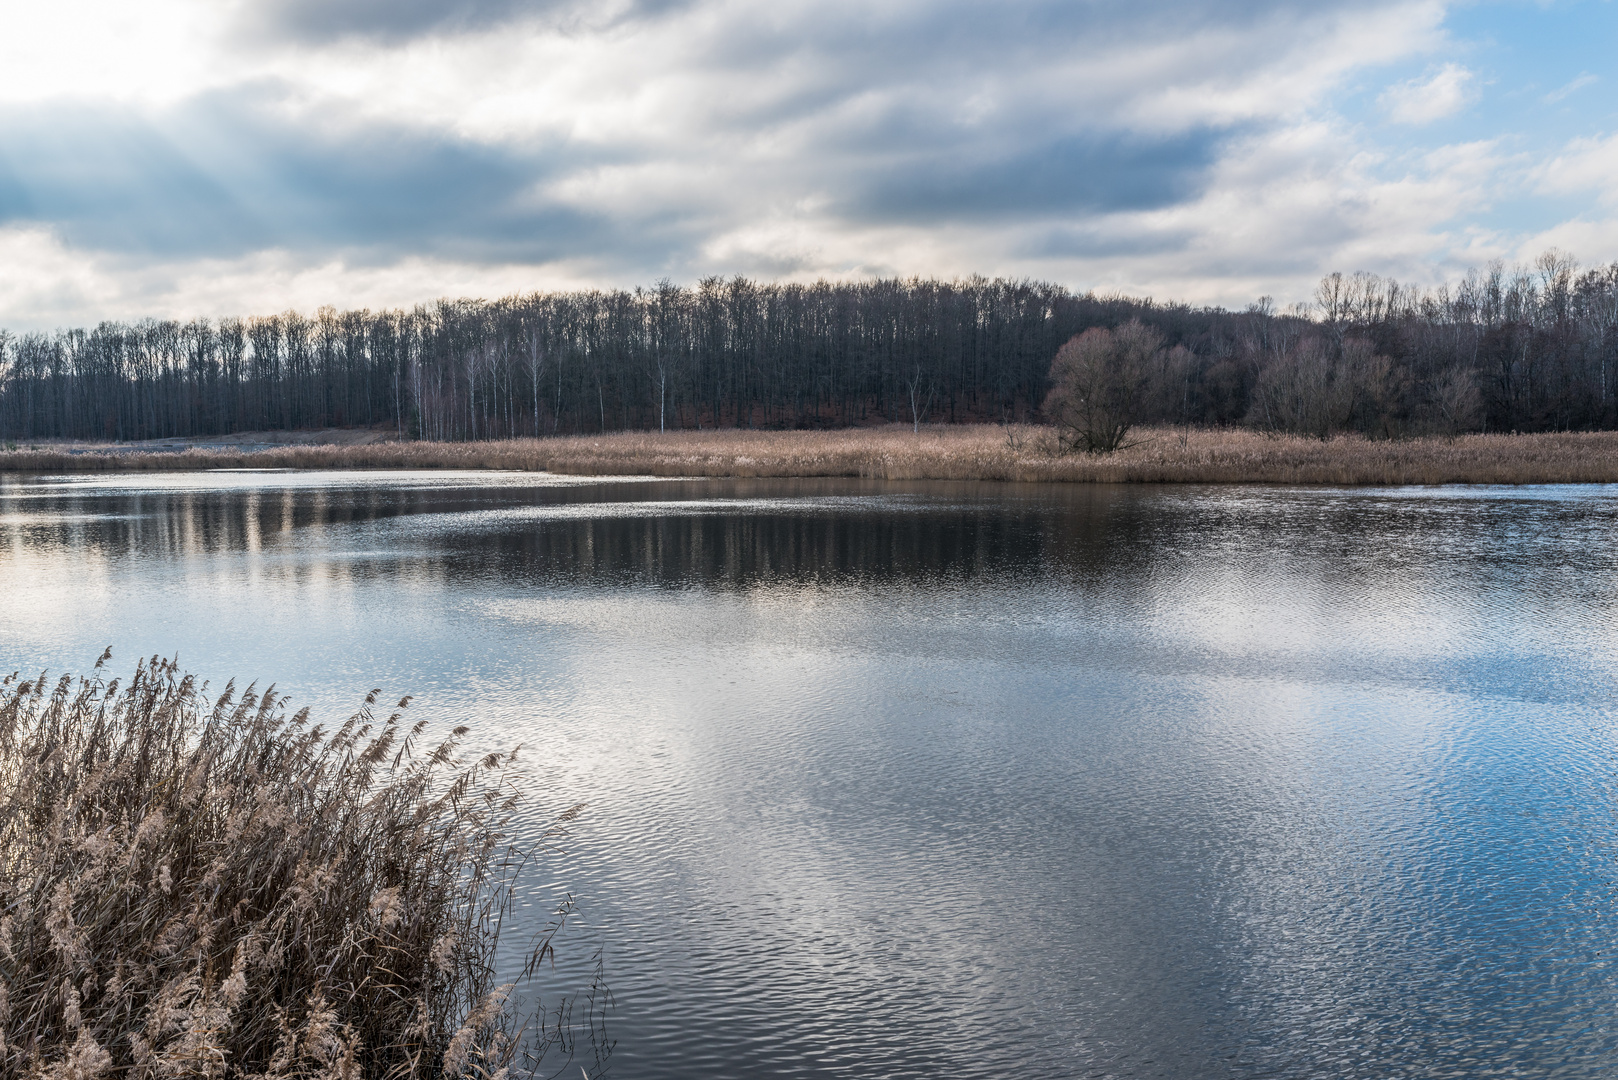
1457	399
1099	383
536	367
1540	344
919	404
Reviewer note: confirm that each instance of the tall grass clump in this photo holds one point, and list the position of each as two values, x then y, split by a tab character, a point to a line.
210	888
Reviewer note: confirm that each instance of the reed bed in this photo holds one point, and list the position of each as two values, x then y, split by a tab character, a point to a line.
939	452
209	888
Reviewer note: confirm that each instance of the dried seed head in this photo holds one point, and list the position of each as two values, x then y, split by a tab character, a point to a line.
70	1008
443	954
122	898
87	1060
386	907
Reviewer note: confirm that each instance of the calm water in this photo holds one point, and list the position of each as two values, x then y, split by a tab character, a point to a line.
960	780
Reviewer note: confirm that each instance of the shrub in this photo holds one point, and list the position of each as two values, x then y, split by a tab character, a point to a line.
209	888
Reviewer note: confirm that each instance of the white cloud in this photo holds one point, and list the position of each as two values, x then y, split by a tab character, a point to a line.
45	284
1422	101
726	136
1293	203
1573	87
98	50
789	68
1584	165
1590	240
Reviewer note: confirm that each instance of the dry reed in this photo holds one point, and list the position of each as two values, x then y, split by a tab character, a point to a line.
938	452
210	888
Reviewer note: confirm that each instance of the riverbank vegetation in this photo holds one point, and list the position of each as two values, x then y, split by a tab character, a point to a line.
207	887
1018	452
1509	349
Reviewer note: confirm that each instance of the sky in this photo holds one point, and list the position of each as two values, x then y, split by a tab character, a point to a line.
182	158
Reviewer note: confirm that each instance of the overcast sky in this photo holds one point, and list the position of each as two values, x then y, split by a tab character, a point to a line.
213	157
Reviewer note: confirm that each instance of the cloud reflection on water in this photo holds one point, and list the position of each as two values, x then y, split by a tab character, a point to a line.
923	779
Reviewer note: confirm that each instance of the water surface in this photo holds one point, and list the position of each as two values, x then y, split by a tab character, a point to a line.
963	780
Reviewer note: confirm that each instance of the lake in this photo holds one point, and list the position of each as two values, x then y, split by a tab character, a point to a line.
965	780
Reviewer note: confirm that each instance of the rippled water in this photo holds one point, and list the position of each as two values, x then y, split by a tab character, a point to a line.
961	780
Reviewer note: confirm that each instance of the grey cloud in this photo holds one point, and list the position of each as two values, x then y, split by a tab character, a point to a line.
112	184
1092	242
239	178
227	174
874	106
1072	174
940	29
953	110
319	21
954	34
324	20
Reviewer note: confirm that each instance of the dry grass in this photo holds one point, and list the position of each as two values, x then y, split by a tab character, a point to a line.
965	452
210	888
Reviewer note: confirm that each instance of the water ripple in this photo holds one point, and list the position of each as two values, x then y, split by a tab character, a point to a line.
959	779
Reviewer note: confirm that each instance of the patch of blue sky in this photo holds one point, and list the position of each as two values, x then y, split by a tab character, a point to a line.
1536	57
1539	73
1522	79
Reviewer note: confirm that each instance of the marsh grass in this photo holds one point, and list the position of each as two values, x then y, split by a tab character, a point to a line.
210	888
937	452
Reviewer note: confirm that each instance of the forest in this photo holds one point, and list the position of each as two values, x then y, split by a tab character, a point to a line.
1528	348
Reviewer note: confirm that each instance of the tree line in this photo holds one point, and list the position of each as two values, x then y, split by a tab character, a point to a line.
1528	348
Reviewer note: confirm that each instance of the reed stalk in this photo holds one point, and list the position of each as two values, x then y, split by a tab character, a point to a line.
196	887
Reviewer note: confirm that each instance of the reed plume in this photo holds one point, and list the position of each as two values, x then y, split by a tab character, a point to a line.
210	888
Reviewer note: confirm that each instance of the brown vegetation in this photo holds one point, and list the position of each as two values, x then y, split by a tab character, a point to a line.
203	888
1099	385
942	452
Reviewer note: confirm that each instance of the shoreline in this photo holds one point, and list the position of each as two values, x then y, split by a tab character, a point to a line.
939	452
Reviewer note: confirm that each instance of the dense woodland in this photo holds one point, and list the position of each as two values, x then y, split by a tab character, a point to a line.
1530	349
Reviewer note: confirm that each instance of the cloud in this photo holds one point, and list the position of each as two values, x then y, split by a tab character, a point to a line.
1074	174
230	173
1422	101
1564	92
387	152
47	284
1590	239
395	21
481	139
388	20
1285	205
109	53
1584	165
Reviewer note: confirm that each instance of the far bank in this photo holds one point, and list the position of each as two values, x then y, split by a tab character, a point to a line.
941	452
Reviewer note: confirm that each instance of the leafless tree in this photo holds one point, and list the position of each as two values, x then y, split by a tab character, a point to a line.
1099	385
1538	343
